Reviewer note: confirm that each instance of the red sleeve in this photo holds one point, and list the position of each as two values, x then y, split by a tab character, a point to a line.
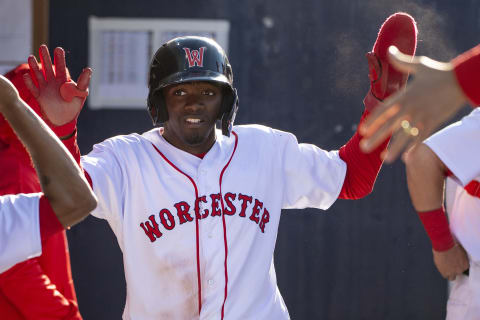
26	290
467	71
55	262
49	224
72	146
16	77
20	176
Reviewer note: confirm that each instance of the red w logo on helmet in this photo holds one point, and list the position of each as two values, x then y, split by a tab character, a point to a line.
195	57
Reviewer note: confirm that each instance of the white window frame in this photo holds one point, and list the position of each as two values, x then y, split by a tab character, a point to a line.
157	28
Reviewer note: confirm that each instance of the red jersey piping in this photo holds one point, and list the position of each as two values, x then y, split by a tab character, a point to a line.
224	225
196	228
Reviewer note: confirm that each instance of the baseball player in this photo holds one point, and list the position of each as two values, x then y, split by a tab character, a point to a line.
27	220
449	152
437	93
196	210
41	286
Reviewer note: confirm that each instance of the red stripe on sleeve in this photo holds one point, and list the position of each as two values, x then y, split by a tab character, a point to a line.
473	188
448	173
89	179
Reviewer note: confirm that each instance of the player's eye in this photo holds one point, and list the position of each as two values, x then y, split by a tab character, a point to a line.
179	92
208	93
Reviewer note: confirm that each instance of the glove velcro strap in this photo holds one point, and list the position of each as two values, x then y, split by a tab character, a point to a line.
370	101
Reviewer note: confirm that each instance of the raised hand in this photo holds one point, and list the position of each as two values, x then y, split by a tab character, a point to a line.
60	98
413	114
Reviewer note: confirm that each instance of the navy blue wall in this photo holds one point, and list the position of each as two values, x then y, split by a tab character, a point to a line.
366	259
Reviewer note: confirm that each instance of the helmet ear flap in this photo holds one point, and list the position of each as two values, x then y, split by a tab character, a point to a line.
227	100
157	108
229	110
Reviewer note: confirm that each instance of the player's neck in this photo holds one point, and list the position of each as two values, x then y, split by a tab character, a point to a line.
200	148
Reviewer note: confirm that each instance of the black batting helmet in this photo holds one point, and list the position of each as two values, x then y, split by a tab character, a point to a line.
188	59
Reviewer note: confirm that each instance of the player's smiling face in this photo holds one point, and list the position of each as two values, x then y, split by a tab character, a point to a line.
193	108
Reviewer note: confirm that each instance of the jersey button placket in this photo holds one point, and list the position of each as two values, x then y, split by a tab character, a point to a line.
201	187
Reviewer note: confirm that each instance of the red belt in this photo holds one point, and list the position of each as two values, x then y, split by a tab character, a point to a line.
473	188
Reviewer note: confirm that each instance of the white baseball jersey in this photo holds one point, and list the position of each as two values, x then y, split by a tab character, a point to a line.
181	255
458	146
19	229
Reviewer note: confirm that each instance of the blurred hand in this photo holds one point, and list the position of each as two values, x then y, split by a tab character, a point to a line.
413	114
452	262
51	87
8	93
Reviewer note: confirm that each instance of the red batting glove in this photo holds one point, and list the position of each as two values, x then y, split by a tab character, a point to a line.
399	30
61	99
69	90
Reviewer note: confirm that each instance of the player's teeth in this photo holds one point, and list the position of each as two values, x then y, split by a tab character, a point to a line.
193	120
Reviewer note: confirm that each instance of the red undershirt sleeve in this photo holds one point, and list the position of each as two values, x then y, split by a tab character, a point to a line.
362	168
49	224
467	71
71	144
89	179
69	130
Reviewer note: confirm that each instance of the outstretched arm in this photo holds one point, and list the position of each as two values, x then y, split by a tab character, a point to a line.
438	91
61	179
362	168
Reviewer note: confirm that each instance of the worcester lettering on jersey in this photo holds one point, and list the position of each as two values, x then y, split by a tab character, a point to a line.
183	213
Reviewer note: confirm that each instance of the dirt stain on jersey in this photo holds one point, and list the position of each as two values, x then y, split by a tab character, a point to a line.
182	287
